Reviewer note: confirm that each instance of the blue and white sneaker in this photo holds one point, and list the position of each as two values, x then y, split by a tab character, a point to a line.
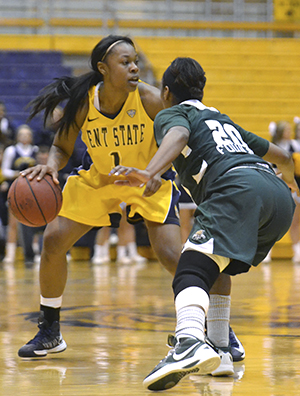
189	355
48	339
226	366
237	349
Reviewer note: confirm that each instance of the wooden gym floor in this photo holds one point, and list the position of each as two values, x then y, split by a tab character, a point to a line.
116	320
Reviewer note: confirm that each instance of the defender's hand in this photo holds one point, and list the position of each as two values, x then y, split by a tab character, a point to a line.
134	177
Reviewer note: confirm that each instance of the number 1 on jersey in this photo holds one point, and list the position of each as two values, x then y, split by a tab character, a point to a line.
116	158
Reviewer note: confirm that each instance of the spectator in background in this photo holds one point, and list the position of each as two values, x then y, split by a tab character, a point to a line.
16	158
7	133
295	228
31	237
297	129
126	246
45	136
3	207
75	160
101	247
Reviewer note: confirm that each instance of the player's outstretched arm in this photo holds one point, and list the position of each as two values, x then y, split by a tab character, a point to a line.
134	177
172	144
284	162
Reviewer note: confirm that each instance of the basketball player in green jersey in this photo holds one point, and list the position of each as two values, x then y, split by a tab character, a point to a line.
115	112
243	209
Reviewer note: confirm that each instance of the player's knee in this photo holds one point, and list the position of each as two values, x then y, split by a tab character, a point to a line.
53	242
195	269
169	257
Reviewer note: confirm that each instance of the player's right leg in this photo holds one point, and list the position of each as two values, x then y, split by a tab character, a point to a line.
195	275
60	235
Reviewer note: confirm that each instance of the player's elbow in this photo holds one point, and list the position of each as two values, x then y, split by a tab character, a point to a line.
286	158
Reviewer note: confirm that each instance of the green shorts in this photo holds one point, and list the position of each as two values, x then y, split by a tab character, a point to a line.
244	213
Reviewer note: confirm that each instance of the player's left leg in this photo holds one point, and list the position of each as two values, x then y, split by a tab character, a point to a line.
218	317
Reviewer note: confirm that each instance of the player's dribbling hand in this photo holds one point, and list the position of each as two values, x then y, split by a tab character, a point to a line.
39	171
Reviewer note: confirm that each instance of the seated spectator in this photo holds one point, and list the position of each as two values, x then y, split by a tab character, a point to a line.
16	158
45	136
7	133
32	237
3	207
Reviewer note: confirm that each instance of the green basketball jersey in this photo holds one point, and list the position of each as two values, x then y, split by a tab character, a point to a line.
216	144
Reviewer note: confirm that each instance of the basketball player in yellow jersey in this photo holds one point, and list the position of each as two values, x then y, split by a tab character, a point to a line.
115	112
111	141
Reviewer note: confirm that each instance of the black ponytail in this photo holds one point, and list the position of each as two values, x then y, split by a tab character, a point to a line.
72	91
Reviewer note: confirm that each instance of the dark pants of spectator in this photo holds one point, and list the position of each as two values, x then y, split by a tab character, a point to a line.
27	236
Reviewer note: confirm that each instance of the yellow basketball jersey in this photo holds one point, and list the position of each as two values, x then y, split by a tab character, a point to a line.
90	195
112	142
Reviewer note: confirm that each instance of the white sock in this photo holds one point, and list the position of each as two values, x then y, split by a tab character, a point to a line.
10	251
218	320
101	250
55	302
97	251
36	248
191	305
132	249
190	322
105	250
296	248
121	252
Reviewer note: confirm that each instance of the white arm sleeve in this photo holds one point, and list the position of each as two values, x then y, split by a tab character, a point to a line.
7	162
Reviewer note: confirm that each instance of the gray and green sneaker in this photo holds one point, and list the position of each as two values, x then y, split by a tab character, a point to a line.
189	355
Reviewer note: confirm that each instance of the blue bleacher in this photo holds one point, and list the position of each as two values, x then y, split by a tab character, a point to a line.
22	75
12	71
23	87
31	57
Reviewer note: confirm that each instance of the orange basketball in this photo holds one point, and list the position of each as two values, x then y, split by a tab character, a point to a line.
34	203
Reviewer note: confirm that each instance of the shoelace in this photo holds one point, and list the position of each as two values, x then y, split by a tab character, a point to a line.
171	342
40	336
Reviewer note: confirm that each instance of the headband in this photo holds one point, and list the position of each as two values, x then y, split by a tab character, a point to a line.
111	47
180	91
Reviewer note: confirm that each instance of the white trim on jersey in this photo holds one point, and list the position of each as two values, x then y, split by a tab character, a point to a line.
96	96
199	105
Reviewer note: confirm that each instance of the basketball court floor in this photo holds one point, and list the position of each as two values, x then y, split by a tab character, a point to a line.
116	320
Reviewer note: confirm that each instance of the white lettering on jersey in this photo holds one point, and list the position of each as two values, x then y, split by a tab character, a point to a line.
227	137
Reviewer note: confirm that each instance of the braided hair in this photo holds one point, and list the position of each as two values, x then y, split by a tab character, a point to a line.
73	90
185	79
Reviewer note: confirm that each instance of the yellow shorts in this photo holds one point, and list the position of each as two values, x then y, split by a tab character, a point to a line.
90	198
